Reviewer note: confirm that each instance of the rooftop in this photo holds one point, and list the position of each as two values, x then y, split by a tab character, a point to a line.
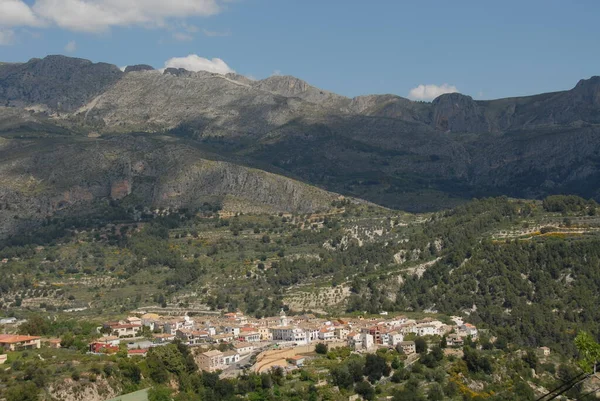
13	339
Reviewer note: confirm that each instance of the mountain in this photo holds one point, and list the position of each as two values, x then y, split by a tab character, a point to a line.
386	149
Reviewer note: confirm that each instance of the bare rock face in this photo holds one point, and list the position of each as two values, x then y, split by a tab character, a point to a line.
138	67
289	86
458	113
62	83
120	189
73	176
70	390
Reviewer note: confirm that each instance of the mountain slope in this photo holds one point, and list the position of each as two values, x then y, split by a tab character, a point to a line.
42	177
384	148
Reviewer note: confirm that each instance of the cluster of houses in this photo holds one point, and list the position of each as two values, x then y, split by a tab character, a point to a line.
242	334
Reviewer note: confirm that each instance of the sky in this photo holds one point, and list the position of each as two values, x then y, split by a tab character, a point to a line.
416	49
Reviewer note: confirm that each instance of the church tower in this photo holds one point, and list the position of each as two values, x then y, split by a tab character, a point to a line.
283	320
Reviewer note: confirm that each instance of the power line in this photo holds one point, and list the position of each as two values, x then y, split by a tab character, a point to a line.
569	384
569	387
586	394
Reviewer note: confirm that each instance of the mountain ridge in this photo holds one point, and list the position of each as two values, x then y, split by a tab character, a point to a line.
398	153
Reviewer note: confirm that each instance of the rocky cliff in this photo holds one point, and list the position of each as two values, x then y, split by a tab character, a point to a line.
40	178
384	148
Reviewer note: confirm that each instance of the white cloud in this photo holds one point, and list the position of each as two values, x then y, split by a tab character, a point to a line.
7	37
98	16
430	92
101	15
16	13
194	62
71	46
123	68
182	37
276	73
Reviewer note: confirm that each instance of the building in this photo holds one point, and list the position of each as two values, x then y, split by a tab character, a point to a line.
163	338
210	361
3	358
265	333
362	340
288	333
151	320
231	357
222	338
8	320
455	340
469	330
408	347
13	343
192	337
283	320
125	329
297	360
53	343
103	348
234	331
172	325
375	331
426	329
249	337
341	333
137	352
243	348
110	340
326	334
544	351
394	338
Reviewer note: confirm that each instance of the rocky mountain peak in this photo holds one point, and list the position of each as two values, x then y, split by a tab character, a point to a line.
139	67
284	85
459	113
588	90
179	72
62	83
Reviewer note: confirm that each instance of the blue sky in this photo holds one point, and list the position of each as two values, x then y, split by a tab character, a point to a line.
480	48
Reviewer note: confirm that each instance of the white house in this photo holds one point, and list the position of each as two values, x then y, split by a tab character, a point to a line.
469	330
394	338
326	334
288	333
235	331
243	348
231	357
426	330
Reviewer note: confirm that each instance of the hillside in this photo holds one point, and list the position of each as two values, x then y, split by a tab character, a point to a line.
45	177
408	155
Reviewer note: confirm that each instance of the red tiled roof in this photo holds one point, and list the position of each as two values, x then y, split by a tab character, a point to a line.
13	339
137	351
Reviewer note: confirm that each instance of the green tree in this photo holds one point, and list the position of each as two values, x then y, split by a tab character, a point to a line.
420	345
321	348
364	389
26	391
589	351
159	394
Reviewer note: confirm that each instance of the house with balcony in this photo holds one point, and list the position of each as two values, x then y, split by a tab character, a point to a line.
13	342
210	361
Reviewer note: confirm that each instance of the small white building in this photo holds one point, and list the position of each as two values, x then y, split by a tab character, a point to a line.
326	334
243	348
394	338
231	357
235	331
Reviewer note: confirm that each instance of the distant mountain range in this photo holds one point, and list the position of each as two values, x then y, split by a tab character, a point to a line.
71	126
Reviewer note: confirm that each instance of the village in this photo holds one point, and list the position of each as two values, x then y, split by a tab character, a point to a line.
233	342
228	341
